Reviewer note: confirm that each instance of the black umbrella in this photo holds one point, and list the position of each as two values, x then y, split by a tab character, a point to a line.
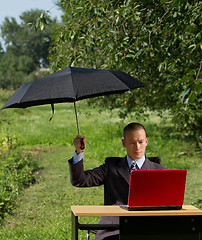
70	85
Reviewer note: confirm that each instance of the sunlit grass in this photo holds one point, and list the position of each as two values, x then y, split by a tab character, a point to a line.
43	210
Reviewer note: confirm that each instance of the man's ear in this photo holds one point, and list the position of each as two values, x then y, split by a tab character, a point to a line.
146	141
123	142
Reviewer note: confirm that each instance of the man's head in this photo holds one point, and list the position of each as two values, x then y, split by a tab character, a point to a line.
135	140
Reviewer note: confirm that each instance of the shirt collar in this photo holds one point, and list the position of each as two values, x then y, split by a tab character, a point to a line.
139	162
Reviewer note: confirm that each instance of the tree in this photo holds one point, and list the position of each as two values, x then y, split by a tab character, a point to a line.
1	50
26	48
159	42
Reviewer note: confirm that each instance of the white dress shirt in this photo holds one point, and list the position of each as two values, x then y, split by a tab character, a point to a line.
139	162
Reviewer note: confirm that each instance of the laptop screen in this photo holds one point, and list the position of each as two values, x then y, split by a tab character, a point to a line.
157	188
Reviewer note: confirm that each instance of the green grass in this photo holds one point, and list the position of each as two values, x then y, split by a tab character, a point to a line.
43	210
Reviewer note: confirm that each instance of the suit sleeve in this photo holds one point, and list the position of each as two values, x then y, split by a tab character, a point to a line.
89	178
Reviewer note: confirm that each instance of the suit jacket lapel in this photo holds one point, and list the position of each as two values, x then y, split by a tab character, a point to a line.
124	170
146	165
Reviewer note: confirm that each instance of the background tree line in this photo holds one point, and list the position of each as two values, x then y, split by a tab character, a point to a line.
26	49
156	41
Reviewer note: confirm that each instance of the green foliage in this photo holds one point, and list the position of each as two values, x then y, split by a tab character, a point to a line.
16	173
5	95
42	21
26	48
17	167
188	112
159	42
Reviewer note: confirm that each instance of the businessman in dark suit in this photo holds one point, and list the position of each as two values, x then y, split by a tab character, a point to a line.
114	173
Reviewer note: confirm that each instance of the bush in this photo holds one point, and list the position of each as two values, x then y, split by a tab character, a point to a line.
16	173
5	95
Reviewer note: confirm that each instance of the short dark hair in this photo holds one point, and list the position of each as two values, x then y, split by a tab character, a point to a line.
133	127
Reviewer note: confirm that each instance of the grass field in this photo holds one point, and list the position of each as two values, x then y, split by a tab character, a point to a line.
42	211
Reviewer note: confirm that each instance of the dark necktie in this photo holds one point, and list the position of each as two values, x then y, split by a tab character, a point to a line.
134	166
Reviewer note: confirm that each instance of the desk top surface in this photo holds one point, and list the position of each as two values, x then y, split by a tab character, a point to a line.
187	210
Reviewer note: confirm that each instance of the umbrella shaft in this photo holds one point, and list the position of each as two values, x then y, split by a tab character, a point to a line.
77	122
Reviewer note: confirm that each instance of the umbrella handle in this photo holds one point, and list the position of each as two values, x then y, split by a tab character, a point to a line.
77	122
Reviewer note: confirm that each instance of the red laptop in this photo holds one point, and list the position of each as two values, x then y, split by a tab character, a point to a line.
156	189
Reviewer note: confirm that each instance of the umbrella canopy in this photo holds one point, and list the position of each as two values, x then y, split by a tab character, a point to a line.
70	85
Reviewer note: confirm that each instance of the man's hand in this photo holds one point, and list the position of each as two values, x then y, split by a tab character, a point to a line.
79	143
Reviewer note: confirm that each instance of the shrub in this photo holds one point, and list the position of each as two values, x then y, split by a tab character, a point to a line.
16	173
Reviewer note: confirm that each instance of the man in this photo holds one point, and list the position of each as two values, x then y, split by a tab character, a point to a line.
114	173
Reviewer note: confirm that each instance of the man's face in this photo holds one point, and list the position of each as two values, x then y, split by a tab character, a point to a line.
135	143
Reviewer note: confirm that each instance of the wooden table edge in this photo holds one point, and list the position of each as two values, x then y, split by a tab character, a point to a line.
92	210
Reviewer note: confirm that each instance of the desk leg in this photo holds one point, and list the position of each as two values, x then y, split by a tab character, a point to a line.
74	227
158	228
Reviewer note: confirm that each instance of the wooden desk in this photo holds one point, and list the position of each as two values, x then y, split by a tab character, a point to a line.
184	224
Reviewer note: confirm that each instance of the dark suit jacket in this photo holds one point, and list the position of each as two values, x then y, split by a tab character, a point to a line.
114	174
